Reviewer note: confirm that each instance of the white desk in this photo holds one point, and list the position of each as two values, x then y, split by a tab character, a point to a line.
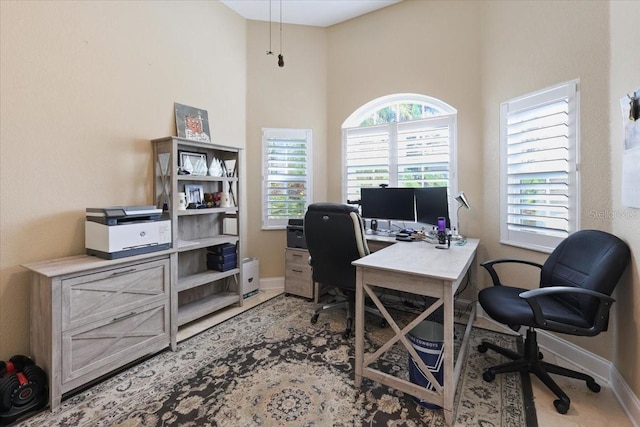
418	268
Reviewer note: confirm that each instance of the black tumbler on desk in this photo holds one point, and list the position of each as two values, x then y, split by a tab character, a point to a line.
442	230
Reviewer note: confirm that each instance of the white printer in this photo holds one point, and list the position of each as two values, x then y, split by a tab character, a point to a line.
121	231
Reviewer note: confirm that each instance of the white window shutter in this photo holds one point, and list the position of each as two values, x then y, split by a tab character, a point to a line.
287	161
415	153
424	152
539	174
367	156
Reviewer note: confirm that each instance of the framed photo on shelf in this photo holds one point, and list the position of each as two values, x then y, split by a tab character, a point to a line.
194	193
194	163
230	166
192	123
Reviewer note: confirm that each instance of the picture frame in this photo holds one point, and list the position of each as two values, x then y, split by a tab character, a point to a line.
193	163
192	123
230	166
194	193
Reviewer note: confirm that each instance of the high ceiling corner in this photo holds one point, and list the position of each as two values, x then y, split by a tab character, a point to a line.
317	13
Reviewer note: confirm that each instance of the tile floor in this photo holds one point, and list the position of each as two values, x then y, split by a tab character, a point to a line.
588	409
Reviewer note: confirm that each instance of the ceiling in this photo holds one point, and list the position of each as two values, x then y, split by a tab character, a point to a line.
318	13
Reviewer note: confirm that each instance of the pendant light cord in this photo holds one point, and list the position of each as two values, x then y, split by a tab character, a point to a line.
280	27
270	52
280	57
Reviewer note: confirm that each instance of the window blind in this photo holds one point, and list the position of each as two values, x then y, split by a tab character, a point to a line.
424	153
367	156
539	168
286	175
415	153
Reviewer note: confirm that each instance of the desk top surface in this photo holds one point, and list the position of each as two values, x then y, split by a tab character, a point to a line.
423	259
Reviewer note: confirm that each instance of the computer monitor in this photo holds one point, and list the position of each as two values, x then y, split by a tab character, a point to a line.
387	203
432	203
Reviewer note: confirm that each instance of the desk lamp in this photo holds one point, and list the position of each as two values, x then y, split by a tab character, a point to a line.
462	201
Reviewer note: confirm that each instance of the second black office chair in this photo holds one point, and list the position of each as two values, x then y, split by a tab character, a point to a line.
574	298
335	237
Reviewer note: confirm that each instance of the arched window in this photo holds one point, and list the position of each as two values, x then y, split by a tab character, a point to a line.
401	140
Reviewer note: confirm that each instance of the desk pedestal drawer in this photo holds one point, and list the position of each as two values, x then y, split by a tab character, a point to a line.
297	279
298	282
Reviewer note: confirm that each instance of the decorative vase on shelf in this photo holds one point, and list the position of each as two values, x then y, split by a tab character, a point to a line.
214	169
182	201
225	201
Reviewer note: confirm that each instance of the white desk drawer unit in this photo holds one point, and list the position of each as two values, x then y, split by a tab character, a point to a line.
90	316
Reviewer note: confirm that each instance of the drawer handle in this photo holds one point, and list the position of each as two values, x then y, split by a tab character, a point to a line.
133	313
297	255
124	272
296	271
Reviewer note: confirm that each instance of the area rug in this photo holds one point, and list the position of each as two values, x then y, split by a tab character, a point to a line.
270	366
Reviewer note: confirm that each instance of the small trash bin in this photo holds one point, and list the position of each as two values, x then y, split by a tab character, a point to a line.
250	277
427	339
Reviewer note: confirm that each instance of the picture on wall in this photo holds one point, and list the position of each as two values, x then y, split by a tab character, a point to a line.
630	105
192	123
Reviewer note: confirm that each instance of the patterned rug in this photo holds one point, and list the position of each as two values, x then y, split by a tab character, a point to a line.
270	366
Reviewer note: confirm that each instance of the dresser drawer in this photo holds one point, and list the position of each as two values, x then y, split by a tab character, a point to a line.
106	293
95	349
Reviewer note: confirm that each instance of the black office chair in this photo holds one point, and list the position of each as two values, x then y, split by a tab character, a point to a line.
574	298
335	237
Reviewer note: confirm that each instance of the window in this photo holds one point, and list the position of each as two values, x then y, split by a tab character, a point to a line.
286	176
539	167
402	140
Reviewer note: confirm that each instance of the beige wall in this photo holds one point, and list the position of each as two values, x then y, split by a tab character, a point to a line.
531	45
624	78
294	96
515	63
84	86
411	47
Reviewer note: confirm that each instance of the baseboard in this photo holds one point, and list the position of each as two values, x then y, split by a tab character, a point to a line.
627	399
595	365
271	283
603	370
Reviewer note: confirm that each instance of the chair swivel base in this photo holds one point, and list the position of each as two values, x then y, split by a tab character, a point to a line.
531	361
350	311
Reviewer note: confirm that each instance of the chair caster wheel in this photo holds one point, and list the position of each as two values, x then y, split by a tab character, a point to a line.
346	334
383	324
314	319
593	386
561	406
540	355
488	375
482	348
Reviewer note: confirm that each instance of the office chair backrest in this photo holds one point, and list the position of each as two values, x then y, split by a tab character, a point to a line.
589	259
334	234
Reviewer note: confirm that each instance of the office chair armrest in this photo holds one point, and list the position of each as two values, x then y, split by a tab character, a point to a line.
488	265
601	319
